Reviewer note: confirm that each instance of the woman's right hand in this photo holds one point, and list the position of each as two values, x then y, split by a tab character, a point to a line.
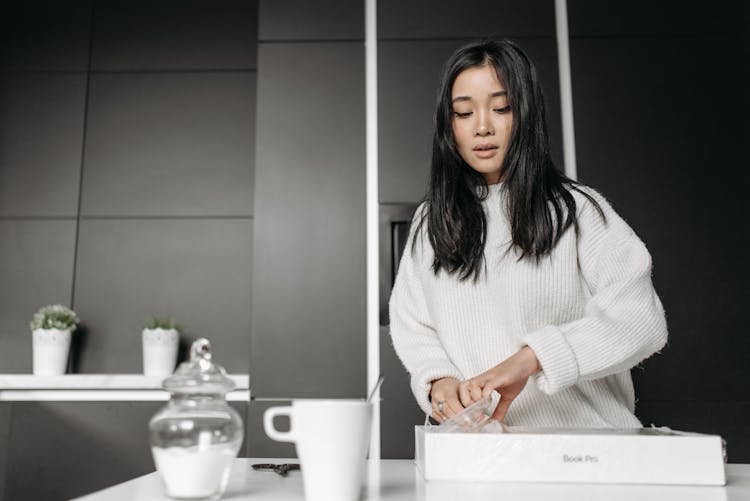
445	391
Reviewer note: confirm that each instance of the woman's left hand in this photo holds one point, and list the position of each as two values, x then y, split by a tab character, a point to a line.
508	379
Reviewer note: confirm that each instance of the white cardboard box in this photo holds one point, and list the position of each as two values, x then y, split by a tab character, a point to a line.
628	456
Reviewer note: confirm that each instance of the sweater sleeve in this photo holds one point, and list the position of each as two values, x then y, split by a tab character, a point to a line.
623	322
415	339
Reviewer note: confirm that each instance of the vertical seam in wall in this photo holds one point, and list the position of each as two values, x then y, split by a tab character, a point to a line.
83	154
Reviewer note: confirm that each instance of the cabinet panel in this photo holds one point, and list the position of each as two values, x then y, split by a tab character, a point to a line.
465	19
309	336
41	133
177	144
660	136
45	35
175	34
196	271
283	20
592	18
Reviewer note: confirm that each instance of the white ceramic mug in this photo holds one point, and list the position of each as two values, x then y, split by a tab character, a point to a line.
332	437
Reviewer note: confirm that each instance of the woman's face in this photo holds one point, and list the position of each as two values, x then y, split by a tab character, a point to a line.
482	120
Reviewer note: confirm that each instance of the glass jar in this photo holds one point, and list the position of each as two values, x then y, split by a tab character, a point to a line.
196	436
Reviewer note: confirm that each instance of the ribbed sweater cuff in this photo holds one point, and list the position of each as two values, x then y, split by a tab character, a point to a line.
556	358
421	382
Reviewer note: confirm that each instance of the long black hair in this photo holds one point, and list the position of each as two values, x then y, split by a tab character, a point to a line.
534	188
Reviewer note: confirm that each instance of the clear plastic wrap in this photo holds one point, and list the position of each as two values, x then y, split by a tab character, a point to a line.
476	418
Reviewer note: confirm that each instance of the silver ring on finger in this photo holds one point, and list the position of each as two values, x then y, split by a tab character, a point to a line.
440	407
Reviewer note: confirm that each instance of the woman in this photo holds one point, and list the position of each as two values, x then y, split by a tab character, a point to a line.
516	279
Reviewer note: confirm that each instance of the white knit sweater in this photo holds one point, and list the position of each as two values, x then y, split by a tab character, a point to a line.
589	312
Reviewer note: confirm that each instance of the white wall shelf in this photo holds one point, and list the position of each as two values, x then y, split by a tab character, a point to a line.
104	387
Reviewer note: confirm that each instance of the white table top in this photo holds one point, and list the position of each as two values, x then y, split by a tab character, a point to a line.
399	480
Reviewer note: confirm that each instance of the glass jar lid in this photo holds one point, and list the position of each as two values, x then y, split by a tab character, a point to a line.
199	374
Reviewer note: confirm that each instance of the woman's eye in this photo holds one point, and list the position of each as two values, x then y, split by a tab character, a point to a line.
504	109
462	115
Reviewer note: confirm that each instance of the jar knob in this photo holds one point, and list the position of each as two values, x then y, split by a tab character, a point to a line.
200	349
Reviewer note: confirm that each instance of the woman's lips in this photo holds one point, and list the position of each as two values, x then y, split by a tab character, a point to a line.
485	150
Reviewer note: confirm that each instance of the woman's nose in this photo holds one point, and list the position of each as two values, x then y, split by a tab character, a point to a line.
483	126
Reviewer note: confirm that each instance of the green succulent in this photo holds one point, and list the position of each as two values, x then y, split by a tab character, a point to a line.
55	316
162	323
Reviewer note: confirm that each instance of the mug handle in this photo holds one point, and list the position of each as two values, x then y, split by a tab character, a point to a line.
271	431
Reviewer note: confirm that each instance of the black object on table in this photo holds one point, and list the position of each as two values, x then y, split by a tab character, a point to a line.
281	469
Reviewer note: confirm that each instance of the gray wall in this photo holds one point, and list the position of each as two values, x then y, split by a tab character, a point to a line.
127	146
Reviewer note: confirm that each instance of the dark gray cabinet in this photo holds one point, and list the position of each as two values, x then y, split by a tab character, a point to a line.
41	133
170	144
659	130
309	335
48	35
175	35
457	19
301	21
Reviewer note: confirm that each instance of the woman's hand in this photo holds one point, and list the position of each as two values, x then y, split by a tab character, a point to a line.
508	379
445	399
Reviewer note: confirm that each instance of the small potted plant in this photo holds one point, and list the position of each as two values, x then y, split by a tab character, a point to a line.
161	339
51	330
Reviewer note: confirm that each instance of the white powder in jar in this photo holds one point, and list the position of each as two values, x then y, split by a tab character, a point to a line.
195	472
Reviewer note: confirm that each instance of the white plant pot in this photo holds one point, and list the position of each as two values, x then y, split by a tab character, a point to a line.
160	351
50	348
